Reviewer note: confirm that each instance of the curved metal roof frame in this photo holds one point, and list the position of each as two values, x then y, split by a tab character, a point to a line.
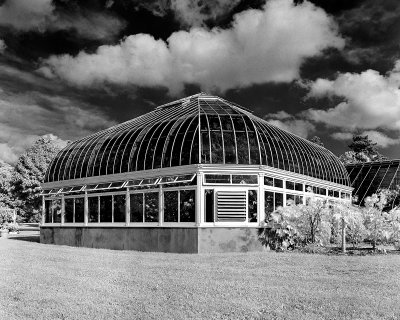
196	129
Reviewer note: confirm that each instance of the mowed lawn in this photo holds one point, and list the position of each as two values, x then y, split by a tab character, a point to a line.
40	281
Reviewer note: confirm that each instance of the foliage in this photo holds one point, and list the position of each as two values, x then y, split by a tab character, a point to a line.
29	174
362	150
317	140
295	225
7	174
6	218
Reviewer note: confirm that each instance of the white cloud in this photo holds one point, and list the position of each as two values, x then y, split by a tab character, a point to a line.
25	117
41	15
369	100
380	138
280	115
342	136
302	128
267	45
2	46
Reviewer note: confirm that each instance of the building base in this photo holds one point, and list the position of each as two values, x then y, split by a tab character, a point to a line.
157	239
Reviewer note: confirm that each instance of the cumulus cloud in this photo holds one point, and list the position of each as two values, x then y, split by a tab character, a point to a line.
369	100
288	122
261	46
25	117
2	46
380	138
41	15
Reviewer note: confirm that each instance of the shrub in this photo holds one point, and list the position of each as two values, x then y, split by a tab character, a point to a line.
6	218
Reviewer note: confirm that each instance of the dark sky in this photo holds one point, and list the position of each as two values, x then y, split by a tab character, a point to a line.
329	68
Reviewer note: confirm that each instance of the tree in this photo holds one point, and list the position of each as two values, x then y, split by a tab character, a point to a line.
7	174
30	170
317	140
362	150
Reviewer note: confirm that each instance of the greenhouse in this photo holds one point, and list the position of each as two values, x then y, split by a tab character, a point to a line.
195	175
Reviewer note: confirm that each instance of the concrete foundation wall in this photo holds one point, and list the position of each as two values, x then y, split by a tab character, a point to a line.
178	240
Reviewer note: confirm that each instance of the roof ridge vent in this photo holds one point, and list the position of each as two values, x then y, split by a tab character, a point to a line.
183	102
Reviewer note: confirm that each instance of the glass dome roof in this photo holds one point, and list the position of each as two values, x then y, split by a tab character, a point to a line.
194	130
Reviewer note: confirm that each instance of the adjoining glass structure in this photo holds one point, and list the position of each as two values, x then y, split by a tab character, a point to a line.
369	177
183	169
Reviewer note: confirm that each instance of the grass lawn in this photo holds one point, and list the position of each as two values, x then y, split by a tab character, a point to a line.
40	281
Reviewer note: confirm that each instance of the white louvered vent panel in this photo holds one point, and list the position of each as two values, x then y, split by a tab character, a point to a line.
231	205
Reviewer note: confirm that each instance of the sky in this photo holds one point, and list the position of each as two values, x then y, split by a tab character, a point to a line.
329	68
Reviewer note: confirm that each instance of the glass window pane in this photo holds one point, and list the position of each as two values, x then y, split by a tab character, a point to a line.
136	201
336	194
93	203
69	210
290	185
298	199
330	192
171	206
278	200
252	206
57	210
187	206
242	148
48	211
268	181
151	207
79	209
216	147
209	205
268	203
105	208
217	178
298	186
278	183
289	199
119	208
244	179
229	146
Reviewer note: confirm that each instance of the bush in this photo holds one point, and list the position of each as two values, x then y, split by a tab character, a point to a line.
6	218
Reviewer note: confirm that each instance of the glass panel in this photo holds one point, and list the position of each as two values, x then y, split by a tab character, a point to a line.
151	207
91	187
93	203
79	209
278	183
229	147
268	181
150	181
105	208
242	148
298	186
330	192
244	179
252	206
216	147
336	194
290	185
298	199
117	184
268	203
278	200
187	206
136	200
69	210
134	183
48	211
57	210
78	188
290	199
209	205
171	206
217	178
119	208
46	191
165	180
103	185
322	191
205	147
188	177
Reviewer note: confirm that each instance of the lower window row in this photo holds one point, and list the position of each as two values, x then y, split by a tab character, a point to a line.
179	206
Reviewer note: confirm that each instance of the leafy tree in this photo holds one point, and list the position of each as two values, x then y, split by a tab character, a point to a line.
6	185
317	140
30	170
362	150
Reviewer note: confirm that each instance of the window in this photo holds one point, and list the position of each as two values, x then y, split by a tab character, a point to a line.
290	199
69	210
268	181
252	206
244	179
151	207
106	209
217	178
119	208
93	203
136	202
336	194
171	206
187	206
278	200
48	204
290	185
268	203
278	183
57	210
79	209
298	186
209	205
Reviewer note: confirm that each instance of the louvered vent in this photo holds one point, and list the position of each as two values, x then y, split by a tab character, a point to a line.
231	205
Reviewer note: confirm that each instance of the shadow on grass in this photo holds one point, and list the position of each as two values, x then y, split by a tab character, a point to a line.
26	237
